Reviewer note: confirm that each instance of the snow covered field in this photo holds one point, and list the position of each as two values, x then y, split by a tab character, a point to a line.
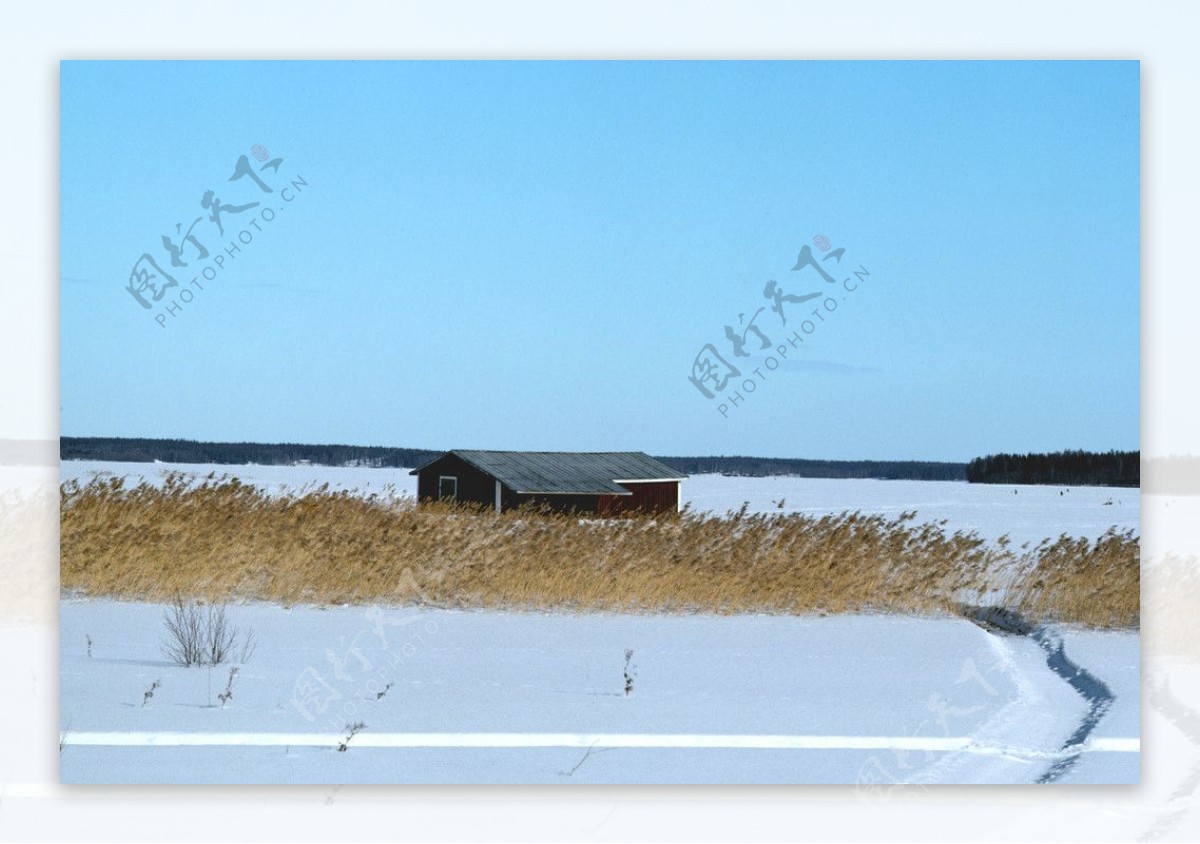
875	701
1030	514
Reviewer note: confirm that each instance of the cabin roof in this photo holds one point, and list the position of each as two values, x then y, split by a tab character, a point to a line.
566	472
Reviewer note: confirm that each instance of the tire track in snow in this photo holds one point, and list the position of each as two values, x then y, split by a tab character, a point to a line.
1092	689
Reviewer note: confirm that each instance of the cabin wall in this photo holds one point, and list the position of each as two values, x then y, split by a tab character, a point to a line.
557	503
473	485
648	497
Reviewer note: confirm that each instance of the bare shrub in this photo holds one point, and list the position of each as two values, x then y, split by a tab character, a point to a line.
185	634
203	635
249	646
218	635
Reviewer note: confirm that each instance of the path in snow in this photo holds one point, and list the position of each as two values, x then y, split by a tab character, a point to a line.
1098	695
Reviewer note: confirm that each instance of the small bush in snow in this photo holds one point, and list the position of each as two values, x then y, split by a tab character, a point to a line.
203	636
149	693
629	672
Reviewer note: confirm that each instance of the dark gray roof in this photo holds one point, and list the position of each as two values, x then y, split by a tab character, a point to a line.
577	472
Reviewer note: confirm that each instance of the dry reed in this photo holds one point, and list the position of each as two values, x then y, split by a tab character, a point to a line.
222	539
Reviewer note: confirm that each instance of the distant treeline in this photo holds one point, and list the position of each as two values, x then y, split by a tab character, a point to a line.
1062	468
1068	468
190	451
757	467
263	454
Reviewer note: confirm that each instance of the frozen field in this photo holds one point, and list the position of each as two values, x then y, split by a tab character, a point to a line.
875	701
477	697
1025	513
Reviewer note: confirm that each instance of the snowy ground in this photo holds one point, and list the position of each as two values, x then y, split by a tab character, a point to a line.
875	701
880	702
1025	513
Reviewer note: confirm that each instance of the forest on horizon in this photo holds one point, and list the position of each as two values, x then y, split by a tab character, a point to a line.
1066	468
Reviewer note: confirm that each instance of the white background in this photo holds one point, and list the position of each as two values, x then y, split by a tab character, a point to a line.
36	36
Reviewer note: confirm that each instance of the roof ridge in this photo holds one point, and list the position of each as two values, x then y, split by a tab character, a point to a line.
583	472
527	451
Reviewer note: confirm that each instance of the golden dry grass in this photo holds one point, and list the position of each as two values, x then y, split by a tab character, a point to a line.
222	539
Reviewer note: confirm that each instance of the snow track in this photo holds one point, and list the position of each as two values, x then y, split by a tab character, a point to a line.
1095	692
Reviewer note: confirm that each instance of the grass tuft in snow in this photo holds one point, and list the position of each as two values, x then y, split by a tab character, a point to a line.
149	693
351	731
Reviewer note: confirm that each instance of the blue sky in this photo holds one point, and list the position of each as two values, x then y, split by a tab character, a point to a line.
532	255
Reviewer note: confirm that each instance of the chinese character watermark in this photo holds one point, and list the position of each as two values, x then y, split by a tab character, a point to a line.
718	377
165	292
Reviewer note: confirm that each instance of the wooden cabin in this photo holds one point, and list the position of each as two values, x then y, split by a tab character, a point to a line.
603	483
